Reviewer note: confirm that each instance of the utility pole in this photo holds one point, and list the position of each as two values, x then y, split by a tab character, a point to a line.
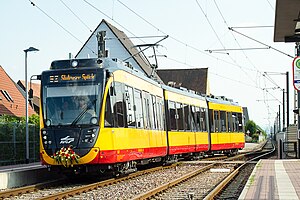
283	110
297	48
287	101
279	123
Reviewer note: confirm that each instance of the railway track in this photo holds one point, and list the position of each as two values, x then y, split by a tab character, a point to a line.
232	186
108	188
190	180
192	186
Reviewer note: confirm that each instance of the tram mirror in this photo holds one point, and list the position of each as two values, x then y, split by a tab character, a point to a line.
112	91
30	93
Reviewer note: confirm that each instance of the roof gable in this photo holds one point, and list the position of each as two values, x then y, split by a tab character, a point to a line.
15	105
118	46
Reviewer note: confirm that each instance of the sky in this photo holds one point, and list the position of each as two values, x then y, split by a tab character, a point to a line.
232	38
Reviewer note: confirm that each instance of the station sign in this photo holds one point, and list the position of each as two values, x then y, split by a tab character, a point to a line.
296	73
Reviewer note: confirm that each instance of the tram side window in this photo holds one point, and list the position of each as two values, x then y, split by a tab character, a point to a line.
180	119
129	106
193	118
172	114
119	105
151	117
154	111
217	121
160	113
146	109
108	119
234	122
198	119
211	120
187	119
203	119
229	121
223	121
240	122
138	108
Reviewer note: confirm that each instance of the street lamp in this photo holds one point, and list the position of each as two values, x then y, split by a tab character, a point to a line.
26	103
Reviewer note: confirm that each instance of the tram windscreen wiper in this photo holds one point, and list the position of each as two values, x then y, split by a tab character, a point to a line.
82	113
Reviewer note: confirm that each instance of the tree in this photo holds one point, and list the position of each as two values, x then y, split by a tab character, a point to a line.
251	127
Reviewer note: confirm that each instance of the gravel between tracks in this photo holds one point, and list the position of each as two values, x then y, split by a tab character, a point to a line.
133	187
123	190
198	186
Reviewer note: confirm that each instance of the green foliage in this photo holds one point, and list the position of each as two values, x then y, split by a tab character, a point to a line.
255	137
8	118
251	127
13	137
34	119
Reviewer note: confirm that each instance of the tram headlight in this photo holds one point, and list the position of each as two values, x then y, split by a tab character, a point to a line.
94	120
74	63
46	136
89	135
48	122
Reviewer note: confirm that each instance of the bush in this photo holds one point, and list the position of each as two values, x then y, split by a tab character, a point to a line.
13	139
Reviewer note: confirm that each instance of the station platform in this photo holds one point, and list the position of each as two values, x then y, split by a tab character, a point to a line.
20	167
24	174
274	179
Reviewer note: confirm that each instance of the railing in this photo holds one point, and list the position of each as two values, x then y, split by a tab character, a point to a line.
287	149
13	143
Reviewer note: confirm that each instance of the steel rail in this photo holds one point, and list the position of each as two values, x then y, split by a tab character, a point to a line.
166	186
93	186
172	183
27	189
223	183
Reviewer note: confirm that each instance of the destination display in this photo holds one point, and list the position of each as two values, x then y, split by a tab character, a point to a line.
72	77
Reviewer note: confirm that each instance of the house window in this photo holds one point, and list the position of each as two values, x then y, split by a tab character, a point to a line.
7	96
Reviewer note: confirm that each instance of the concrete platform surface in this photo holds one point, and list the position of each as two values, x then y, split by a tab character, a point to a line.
25	174
274	179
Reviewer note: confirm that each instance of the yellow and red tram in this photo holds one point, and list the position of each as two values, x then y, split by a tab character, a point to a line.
129	119
226	125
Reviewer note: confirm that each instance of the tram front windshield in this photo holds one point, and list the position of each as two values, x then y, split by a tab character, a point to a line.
71	104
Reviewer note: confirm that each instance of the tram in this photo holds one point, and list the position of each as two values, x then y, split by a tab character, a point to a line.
100	114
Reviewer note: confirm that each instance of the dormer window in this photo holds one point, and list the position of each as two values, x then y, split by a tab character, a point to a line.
7	96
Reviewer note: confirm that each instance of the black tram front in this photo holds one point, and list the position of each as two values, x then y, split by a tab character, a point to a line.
71	97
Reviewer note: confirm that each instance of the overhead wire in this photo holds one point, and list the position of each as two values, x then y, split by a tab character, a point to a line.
183	43
258	71
178	40
76	15
117	23
246	73
57	23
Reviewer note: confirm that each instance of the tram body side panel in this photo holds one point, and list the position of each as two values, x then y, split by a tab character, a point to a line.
186	141
226	140
181	142
125	144
202	141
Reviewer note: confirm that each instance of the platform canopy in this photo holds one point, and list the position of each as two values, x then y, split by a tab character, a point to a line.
287	15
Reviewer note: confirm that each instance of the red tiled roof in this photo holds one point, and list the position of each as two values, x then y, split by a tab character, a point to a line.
16	107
